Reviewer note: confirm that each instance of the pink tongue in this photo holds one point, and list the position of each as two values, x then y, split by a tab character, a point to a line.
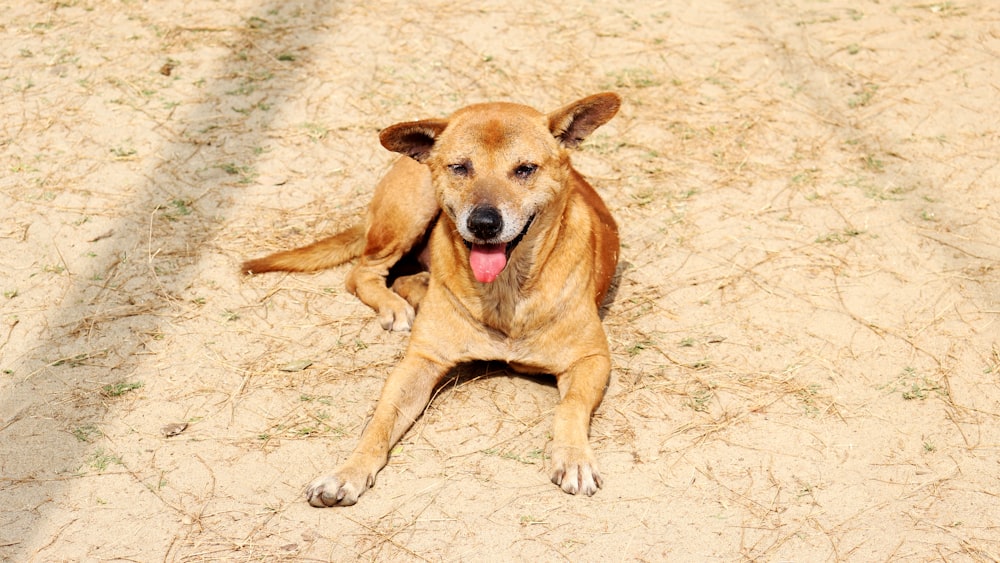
487	261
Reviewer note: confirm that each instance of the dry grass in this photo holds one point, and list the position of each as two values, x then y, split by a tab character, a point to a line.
804	328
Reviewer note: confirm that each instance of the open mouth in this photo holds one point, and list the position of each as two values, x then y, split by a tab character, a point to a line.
488	260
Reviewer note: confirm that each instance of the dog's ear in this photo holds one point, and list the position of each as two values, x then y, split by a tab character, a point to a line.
414	139
571	124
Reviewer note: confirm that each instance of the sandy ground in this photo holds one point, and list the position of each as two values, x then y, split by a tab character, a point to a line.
804	335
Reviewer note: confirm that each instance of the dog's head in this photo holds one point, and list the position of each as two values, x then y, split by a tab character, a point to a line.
497	166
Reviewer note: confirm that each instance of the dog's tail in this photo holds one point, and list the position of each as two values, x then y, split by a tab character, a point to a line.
319	255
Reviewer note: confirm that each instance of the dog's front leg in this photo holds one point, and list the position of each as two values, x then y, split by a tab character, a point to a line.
581	389
404	396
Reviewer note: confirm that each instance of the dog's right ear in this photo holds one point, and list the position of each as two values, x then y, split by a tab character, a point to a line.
415	139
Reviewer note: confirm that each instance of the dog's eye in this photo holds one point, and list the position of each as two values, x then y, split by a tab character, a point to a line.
525	171
460	169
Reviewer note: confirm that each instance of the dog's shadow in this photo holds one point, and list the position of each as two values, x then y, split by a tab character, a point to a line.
612	294
480	370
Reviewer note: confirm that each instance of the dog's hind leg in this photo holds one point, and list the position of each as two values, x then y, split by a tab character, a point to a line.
367	282
412	288
403	209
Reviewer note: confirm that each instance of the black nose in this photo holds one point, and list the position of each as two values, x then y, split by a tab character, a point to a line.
485	222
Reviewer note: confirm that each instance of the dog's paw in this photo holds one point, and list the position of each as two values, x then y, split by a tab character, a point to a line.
337	490
396	316
575	470
412	288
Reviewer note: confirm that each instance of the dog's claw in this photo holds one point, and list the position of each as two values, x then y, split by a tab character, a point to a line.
333	490
575	471
397	318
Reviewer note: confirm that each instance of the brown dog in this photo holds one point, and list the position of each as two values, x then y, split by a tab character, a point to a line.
521	253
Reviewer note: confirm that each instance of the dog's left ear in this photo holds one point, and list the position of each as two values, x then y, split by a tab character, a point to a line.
573	123
414	139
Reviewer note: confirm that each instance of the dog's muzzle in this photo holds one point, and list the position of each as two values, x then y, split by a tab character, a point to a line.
485	222
488	260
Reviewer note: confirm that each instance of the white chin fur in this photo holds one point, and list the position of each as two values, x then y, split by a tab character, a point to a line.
512	226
